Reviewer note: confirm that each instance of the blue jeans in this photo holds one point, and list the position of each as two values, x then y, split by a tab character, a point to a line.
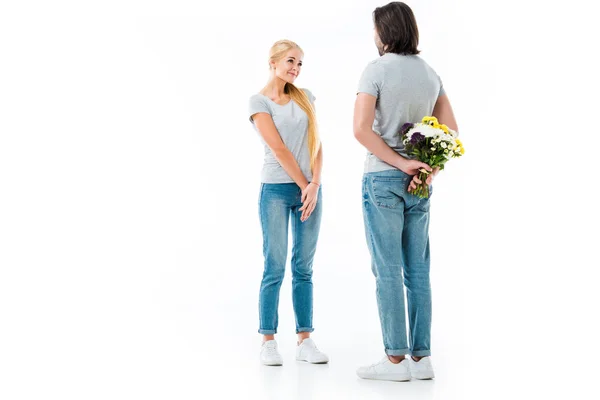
277	203
397	233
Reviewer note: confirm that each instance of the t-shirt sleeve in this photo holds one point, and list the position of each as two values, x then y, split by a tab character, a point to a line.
257	104
442	91
371	80
311	96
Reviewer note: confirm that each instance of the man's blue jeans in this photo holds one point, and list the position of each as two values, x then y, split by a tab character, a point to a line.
397	233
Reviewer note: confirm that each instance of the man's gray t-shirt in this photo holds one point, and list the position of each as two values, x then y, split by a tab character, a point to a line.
407	90
292	124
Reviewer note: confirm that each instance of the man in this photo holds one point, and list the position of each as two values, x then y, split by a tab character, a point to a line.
396	88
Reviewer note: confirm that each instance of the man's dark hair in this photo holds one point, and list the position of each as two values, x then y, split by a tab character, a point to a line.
397	28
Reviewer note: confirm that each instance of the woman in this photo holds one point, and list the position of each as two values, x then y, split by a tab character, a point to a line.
396	88
284	116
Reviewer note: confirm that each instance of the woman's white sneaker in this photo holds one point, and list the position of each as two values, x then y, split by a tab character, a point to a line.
308	351
421	369
269	355
386	370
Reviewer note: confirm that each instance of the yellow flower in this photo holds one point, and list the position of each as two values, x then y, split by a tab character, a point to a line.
462	149
433	121
444	128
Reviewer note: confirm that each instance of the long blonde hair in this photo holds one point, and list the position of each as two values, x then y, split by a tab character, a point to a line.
277	52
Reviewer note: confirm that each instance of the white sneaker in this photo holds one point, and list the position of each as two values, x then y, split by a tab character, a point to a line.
269	355
307	351
386	370
421	369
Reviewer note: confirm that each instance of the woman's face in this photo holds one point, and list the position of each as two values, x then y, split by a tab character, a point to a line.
288	68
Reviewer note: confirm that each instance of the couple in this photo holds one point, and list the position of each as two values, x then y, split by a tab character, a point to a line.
396	88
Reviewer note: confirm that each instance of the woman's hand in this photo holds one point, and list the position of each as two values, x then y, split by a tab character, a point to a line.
310	194
416	181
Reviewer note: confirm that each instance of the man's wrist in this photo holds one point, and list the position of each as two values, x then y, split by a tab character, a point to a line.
400	162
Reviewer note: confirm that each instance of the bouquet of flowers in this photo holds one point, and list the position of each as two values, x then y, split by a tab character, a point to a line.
432	143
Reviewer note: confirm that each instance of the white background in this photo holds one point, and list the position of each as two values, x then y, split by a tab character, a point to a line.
130	249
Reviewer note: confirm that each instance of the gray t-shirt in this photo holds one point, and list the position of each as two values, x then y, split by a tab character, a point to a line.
292	124
407	90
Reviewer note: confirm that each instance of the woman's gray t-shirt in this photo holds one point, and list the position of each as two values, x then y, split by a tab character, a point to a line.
406	88
292	124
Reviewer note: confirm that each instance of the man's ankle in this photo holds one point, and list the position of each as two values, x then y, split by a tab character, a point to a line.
396	359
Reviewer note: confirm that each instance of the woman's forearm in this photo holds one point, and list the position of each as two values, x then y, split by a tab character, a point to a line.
318	166
290	165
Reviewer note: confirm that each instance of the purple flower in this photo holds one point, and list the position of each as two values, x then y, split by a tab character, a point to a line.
405	128
416	138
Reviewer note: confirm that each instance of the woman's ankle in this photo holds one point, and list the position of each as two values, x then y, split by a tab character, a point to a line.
302	336
266	338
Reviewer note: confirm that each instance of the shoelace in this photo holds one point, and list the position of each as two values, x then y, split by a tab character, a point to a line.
313	346
271	349
380	362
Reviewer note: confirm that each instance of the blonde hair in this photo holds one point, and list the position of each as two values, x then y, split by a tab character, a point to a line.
277	52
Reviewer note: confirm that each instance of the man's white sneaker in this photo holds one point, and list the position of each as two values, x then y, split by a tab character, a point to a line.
269	354
307	351
421	369
386	370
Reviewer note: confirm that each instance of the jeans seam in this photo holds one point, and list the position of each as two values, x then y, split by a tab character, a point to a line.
370	232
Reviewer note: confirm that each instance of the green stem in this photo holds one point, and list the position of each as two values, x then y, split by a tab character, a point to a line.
424	188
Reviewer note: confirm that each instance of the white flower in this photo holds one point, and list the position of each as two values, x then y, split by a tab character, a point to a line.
444	145
425	130
433	148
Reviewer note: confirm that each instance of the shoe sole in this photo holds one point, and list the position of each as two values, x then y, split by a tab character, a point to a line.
272	364
423	378
318	362
306	361
387	377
